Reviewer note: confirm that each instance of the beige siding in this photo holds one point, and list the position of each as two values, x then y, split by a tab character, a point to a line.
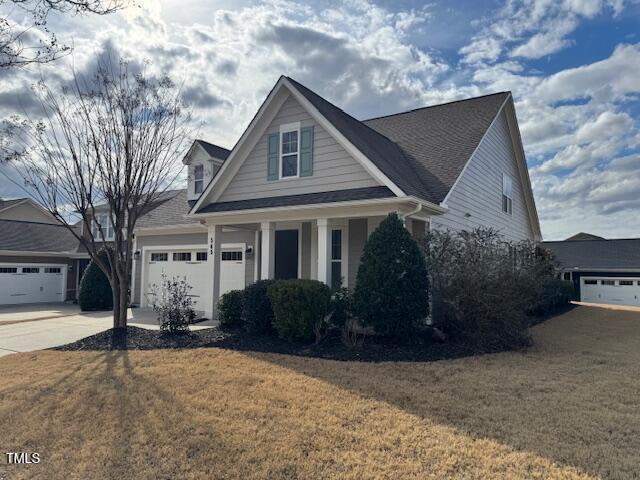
476	200
333	167
27	213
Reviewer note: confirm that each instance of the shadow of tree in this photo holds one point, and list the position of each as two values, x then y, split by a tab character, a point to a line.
572	398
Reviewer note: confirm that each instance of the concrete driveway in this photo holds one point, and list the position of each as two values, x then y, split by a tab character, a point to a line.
26	328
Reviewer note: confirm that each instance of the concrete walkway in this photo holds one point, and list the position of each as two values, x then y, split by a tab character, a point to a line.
610	306
64	325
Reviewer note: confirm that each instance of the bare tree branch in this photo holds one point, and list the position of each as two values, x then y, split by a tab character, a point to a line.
104	152
33	42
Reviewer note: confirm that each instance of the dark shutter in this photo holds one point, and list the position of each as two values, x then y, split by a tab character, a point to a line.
272	156
306	151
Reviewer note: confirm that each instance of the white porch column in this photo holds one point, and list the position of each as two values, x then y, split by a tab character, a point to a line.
267	250
215	237
324	251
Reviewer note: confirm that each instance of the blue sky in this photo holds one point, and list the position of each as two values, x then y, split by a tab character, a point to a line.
573	67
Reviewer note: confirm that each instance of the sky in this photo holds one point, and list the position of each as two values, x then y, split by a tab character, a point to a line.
573	67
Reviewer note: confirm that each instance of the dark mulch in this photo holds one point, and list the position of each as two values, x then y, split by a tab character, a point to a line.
373	350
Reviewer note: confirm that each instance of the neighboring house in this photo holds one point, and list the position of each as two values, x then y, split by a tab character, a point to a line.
25	209
38	260
602	271
306	184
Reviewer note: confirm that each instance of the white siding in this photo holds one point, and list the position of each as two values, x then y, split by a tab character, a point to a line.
476	200
333	167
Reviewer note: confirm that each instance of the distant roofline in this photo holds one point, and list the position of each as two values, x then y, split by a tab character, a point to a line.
591	240
37	223
508	92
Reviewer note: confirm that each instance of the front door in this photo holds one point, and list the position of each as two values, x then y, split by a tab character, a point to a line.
286	254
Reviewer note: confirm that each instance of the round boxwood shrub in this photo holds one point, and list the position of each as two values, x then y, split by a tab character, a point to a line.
230	308
95	290
257	314
391	293
300	308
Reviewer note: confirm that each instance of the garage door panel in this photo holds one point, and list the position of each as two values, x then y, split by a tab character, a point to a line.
190	264
31	283
610	290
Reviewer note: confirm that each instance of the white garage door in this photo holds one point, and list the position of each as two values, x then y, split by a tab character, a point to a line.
190	264
32	283
618	291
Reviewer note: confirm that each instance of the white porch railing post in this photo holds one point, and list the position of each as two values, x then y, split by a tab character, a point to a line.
324	245
267	250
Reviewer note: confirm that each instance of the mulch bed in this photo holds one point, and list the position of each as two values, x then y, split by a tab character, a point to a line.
375	349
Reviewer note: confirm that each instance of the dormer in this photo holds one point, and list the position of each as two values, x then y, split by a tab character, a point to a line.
203	160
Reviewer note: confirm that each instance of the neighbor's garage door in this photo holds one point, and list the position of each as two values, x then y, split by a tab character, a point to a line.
618	291
26	283
184	263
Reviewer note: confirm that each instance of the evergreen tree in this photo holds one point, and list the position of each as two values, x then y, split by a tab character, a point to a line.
391	293
95	291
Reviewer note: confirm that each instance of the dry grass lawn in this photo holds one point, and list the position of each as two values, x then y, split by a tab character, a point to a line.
568	408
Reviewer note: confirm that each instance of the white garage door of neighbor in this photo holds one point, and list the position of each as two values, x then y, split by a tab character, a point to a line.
618	291
232	267
32	283
190	264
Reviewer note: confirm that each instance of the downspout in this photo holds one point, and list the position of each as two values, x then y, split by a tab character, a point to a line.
418	209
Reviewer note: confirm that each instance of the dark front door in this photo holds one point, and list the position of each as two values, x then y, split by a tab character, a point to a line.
286	253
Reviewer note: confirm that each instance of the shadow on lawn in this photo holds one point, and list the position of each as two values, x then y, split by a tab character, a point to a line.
572	398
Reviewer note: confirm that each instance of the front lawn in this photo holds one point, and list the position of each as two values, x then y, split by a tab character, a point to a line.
567	408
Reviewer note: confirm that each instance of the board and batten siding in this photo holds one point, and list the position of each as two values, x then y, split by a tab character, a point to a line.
333	167
476	200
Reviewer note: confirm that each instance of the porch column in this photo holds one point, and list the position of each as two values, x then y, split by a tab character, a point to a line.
215	237
267	250
324	251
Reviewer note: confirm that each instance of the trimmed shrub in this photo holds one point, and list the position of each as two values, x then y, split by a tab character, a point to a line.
95	290
300	308
341	307
553	295
257	314
391	293
173	304
230	308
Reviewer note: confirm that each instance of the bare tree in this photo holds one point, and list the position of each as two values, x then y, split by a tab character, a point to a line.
112	143
32	42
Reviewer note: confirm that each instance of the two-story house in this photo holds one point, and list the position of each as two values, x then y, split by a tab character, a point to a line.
306	184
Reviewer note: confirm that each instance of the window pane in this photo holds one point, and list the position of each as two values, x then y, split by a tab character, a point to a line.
590	282
201	256
289	142
336	244
626	283
290	166
51	269
182	257
31	270
198	186
336	275
8	270
198	172
607	282
159	257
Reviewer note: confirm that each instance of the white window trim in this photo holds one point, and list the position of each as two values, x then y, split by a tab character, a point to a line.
506	177
108	226
286	128
197	180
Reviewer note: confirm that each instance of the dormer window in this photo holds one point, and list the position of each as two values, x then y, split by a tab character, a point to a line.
289	148
198	178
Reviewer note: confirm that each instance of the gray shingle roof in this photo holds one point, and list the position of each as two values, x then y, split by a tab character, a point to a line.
422	151
171	211
7	203
583	236
17	235
440	139
597	254
215	150
366	193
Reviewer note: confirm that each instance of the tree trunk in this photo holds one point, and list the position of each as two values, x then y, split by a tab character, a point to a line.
119	304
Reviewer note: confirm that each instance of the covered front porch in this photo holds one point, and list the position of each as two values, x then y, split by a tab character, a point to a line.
324	243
